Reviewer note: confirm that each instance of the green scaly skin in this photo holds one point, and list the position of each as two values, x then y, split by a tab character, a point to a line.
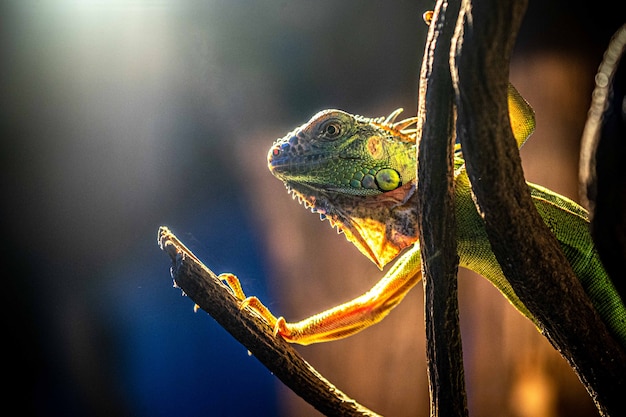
359	173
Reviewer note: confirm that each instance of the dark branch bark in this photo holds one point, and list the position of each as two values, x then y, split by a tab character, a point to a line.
528	253
437	223
204	288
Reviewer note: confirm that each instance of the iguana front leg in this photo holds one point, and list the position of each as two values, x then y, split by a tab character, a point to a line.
345	319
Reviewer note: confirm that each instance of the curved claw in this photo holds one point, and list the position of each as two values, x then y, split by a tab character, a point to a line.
234	285
279	325
251	302
282	328
257	307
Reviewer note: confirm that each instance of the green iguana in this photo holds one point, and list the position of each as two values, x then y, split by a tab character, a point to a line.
359	174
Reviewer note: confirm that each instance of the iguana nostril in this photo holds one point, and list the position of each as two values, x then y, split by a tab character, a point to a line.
276	151
273	153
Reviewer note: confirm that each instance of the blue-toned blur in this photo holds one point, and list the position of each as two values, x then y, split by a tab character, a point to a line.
118	117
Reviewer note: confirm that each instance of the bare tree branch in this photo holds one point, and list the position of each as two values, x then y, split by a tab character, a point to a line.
205	289
437	223
528	253
603	146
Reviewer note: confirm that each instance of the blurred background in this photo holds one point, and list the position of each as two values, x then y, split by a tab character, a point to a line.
121	116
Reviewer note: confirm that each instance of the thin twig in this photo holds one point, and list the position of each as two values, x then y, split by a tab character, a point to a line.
205	289
602	149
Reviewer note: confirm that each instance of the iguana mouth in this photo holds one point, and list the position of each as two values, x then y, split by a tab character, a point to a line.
281	161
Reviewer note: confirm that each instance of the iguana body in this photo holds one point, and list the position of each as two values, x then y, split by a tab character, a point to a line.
359	173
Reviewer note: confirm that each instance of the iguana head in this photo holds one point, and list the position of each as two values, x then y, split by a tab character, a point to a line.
358	173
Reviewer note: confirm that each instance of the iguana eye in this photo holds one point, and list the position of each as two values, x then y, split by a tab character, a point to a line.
331	129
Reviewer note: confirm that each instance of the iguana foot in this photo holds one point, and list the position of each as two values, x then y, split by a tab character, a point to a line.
279	325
